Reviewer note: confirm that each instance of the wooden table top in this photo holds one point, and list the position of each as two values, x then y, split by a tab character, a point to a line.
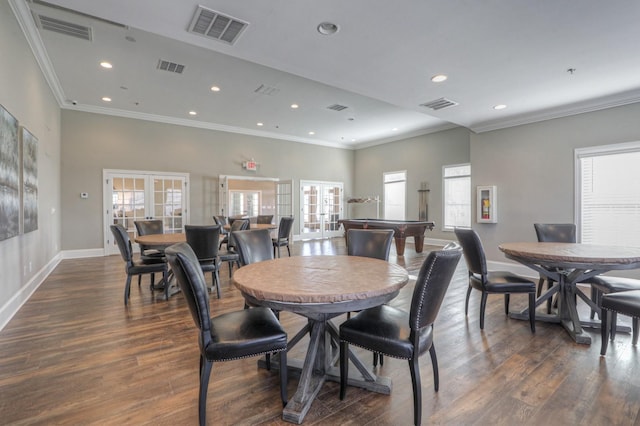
161	239
320	279
574	253
256	226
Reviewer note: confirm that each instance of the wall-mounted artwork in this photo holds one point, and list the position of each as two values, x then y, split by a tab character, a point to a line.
9	176
29	181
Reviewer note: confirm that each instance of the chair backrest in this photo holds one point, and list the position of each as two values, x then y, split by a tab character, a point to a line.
432	283
374	243
188	273
220	220
284	230
555	232
237	225
253	246
203	240
472	250
265	218
149	227
123	241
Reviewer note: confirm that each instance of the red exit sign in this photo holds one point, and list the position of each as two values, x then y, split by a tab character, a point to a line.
251	165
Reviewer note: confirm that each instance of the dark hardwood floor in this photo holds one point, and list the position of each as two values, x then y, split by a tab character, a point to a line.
75	355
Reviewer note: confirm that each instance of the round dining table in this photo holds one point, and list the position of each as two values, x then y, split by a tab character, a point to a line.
569	264
160	241
320	288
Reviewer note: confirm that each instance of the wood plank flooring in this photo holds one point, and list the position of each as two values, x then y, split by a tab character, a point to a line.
75	355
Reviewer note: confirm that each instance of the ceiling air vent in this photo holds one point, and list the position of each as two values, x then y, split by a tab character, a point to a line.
63	27
439	104
337	107
215	25
263	89
170	66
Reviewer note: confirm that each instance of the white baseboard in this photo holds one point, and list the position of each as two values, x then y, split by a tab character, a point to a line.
9	309
79	254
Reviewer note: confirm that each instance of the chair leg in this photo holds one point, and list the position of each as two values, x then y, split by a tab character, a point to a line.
377	356
414	368
268	361
152	284
483	305
214	280
278	250
344	368
466	302
540	285
613	320
506	304
283	377
434	364
634	324
127	290
604	331
205	372
139	280
288	250
532	312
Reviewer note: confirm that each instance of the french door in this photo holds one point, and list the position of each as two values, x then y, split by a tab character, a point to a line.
321	206
131	196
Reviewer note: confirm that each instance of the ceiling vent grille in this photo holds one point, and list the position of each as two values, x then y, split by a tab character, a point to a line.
217	26
63	27
439	104
266	90
170	66
337	107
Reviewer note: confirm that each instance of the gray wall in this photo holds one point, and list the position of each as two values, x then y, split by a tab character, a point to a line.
533	168
93	142
26	95
422	157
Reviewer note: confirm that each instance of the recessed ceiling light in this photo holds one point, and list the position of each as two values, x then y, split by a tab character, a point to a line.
106	64
395	129
294	106
106	99
328	28
501	106
439	78
215	89
353	140
193	113
312	133
259	124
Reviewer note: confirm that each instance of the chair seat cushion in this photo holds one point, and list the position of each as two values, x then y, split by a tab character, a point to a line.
143	266
624	302
504	282
384	329
280	241
227	256
245	333
608	284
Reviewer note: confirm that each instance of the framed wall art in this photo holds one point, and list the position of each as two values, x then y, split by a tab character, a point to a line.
487	207
29	181
9	176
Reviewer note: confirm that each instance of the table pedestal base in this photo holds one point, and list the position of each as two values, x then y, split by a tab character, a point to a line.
319	366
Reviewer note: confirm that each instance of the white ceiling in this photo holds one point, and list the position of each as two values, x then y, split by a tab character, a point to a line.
379	63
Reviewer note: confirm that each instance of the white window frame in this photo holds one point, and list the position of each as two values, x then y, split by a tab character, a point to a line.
445	226
384	187
579	154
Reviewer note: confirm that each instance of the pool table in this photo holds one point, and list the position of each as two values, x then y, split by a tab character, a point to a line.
402	229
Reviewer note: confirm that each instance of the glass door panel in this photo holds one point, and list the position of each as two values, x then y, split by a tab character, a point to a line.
168	195
321	208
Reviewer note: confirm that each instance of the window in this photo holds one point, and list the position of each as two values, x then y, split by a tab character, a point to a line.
457	196
394	195
608	194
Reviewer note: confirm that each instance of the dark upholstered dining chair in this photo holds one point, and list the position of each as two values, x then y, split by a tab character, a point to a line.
222	221
284	233
264	219
375	243
553	233
625	303
204	242
230	255
606	284
149	227
140	266
253	246
401	334
230	336
492	282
